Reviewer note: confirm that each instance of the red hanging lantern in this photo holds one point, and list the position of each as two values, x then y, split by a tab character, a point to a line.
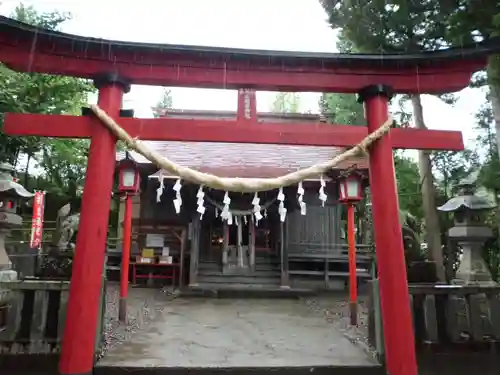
351	189
129	178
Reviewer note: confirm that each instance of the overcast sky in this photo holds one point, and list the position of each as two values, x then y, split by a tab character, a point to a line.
257	24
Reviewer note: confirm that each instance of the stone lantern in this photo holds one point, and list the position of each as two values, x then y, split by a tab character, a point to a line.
11	193
470	232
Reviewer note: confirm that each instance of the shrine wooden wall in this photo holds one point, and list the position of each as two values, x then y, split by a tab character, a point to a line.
316	232
163	211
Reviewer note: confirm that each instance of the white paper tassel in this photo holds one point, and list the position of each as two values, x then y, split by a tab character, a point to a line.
236	221
256	209
160	189
300	198
245	220
178	198
281	208
201	208
225	214
322	196
265	212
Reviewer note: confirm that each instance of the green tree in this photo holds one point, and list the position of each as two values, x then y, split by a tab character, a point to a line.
286	102
165	102
473	21
410	199
376	26
62	161
342	109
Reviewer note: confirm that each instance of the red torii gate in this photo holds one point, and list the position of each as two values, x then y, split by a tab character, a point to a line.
115	65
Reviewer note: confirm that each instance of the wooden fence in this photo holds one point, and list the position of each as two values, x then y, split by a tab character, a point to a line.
446	318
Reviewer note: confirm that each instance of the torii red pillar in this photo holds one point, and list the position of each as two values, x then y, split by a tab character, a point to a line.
77	356
396	314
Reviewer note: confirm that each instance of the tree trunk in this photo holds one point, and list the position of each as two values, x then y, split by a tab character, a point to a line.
26	172
432	227
495	107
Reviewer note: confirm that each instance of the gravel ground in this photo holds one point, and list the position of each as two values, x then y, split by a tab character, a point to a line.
145	303
335	308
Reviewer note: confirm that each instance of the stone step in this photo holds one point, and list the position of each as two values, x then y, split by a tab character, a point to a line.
238	279
255	274
216	290
258	267
257	260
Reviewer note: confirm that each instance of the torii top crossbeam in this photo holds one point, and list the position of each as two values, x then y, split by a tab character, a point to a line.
28	48
115	65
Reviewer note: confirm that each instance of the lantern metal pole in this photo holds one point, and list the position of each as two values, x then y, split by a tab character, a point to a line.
124	272
353	282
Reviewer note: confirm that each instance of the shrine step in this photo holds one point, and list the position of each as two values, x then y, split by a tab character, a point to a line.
285	370
239	279
217	290
216	266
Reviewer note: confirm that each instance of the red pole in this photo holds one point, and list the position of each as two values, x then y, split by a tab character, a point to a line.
77	355
127	235
353	281
396	315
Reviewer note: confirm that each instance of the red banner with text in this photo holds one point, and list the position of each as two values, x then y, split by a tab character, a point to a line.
37	221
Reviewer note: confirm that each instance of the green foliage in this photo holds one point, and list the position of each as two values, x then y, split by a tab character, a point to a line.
342	109
286	102
29	15
450	167
487	142
408	179
165	102
377	26
62	162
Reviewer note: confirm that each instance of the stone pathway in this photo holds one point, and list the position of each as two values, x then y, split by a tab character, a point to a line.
170	332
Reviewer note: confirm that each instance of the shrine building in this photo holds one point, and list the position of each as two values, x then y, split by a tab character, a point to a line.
306	252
